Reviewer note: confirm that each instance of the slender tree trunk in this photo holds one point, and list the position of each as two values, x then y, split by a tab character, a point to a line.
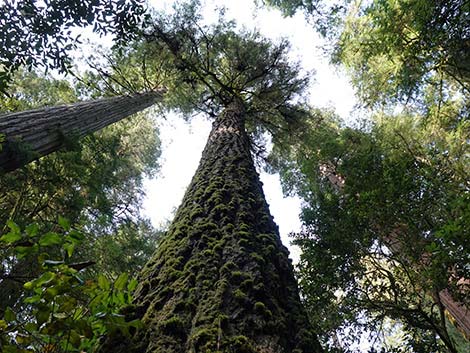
32	134
458	311
221	280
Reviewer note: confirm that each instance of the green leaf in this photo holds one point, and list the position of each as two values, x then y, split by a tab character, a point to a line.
51	292
132	285
13	226
31	327
9	315
95	303
120	299
50	239
135	323
23	339
46	278
10	237
28	285
64	223
23	251
75	237
103	282
42	315
69	248
32	300
60	316
121	281
68	304
32	230
74	338
3	325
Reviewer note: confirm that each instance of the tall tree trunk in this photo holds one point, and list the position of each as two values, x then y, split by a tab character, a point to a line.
32	134
221	280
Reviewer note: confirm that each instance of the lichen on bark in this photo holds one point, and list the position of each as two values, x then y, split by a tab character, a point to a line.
221	280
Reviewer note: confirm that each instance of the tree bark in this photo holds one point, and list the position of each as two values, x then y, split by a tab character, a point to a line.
221	280
32	134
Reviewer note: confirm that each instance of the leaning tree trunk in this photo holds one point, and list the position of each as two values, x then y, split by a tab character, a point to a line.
221	280
32	134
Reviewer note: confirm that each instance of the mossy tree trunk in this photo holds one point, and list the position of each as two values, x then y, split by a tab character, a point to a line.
32	134
221	280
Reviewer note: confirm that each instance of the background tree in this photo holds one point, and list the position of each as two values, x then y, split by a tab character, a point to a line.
96	184
325	16
366	191
394	49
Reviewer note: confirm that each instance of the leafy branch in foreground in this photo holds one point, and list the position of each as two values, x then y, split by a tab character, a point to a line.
65	310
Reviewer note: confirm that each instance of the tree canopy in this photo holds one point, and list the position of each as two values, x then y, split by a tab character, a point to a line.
40	34
366	190
215	63
394	49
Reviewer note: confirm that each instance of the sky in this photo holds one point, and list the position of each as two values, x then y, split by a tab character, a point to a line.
183	142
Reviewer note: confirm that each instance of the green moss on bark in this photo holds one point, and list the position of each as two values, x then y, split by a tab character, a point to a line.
221	280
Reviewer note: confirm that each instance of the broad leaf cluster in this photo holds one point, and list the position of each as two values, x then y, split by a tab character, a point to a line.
64	311
40	34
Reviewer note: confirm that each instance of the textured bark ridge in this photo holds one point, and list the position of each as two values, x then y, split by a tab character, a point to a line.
32	134
221	280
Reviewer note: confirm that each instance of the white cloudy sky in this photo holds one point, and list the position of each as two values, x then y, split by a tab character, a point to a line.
183	142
